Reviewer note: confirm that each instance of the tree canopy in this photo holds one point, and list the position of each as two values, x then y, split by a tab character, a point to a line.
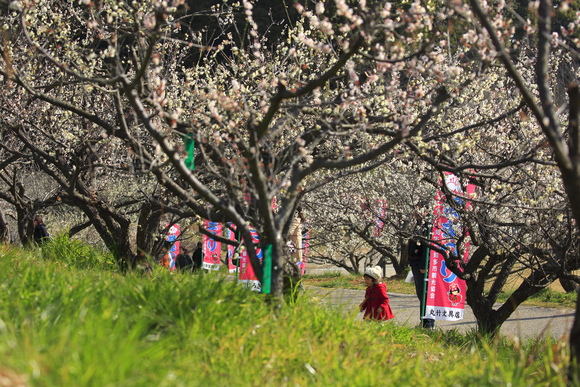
334	105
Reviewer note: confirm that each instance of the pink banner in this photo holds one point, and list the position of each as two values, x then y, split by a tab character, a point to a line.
247	275
305	246
381	206
211	248
231	249
172	236
445	291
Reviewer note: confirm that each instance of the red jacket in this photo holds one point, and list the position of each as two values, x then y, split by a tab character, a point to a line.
375	298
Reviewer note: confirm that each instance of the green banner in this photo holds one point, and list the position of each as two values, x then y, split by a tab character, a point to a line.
267	276
190	149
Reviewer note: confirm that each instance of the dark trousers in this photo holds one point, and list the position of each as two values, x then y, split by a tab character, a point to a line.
419	279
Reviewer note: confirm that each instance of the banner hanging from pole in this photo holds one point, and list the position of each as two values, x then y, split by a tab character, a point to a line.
231	234
247	275
189	145
445	291
211	248
381	206
173	236
305	246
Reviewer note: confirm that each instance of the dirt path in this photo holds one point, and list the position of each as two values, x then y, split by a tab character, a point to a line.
526	322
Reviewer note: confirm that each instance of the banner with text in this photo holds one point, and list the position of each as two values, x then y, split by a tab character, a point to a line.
231	234
211	248
445	291
247	275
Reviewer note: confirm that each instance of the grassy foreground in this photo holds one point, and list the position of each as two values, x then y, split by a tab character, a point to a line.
69	320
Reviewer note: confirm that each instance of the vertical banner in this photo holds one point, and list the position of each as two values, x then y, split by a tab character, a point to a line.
445	291
231	234
172	236
190	149
381	206
305	245
211	248
247	275
267	265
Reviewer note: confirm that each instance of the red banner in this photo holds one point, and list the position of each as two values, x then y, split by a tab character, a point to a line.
211	248
381	205
445	291
247	275
305	246
231	234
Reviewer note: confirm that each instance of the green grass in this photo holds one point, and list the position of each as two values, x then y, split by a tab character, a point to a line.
548	298
351	281
66	325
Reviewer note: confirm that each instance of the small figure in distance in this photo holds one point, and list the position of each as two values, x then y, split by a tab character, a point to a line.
41	236
165	259
183	261
376	303
197	257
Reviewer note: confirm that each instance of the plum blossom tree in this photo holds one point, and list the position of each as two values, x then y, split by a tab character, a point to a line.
338	96
266	124
561	130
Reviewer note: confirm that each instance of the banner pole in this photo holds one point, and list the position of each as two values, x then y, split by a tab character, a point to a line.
239	251
425	283
427	265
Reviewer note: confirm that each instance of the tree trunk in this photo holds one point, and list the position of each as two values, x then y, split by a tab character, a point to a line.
147	227
112	227
573	374
487	321
490	320
568	285
4	230
24	225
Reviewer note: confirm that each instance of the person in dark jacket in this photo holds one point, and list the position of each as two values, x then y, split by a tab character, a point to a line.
41	236
197	257
418	262
183	261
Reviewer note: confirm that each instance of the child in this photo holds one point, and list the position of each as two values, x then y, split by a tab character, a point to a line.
376	303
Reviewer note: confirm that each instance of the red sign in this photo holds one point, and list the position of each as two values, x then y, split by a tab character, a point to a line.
231	248
445	291
247	275
211	248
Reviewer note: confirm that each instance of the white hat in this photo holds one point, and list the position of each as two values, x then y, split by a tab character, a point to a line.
374	272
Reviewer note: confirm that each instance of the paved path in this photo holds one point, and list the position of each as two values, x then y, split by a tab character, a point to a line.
526	322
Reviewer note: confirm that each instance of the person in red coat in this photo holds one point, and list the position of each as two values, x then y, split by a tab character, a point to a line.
376	303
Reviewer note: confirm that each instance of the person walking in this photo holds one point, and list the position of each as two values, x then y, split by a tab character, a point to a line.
197	257
183	261
41	236
165	254
376	303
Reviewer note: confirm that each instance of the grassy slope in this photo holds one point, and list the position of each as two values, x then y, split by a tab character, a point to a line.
61	325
